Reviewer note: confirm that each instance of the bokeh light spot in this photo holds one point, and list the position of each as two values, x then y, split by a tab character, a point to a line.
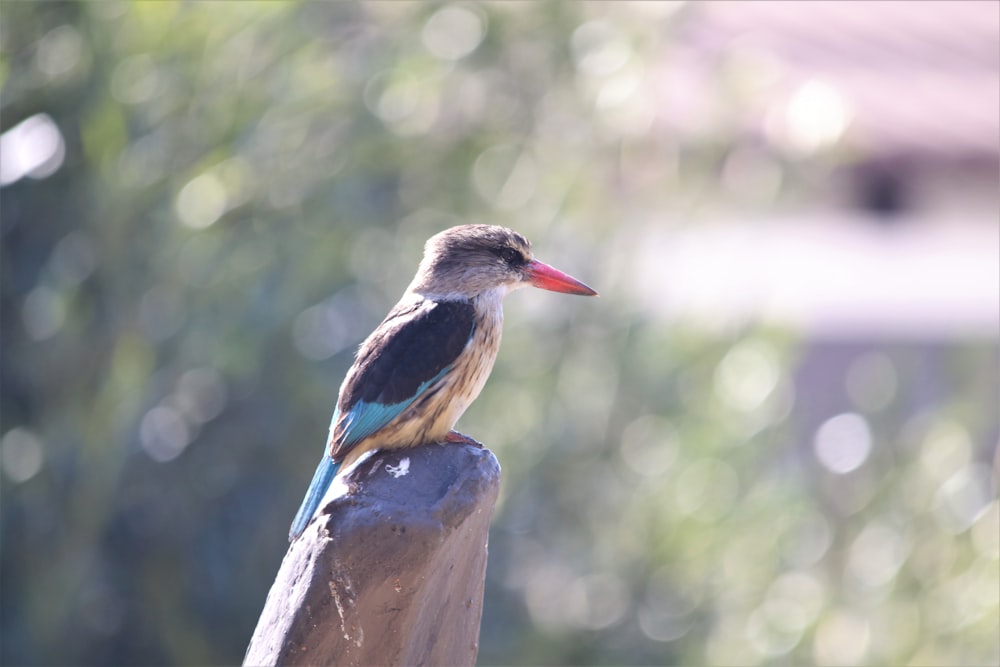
597	600
407	105
43	313
793	602
599	49
201	202
59	51
815	118
545	594
201	394
666	612
623	105
649	445
314	339
453	32
842	443
21	454
842	639
767	638
661	626
728	645
964	497
946	449
747	375
164	434
876	554
34	148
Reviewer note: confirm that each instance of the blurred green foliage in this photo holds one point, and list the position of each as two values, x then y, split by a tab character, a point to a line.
245	191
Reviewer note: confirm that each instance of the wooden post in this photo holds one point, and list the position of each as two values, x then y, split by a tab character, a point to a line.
391	572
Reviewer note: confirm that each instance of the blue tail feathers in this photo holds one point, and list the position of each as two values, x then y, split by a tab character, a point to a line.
325	472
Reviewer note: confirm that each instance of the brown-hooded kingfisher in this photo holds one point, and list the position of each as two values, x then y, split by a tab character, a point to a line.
415	375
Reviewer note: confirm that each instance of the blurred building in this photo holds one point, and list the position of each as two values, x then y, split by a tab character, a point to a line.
890	117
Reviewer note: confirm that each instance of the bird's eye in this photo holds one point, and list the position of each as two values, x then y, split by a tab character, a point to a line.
511	256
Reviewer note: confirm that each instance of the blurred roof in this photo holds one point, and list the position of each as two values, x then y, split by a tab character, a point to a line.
913	77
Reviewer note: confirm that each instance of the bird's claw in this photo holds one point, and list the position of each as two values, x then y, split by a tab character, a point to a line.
456	438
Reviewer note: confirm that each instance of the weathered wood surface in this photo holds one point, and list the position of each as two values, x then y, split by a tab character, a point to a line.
390	572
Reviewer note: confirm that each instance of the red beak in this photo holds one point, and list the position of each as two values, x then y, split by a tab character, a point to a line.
544	276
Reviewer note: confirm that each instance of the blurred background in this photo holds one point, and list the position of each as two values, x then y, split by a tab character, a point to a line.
772	440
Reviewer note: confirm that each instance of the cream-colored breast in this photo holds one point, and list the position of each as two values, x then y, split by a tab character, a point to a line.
472	368
456	391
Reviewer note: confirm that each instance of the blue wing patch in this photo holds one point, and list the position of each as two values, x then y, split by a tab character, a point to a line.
364	418
415	346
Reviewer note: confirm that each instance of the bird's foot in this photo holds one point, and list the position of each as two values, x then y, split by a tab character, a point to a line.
456	438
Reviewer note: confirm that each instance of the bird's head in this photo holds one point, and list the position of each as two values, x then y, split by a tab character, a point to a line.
468	260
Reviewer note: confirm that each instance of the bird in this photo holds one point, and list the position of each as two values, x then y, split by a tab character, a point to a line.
418	371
